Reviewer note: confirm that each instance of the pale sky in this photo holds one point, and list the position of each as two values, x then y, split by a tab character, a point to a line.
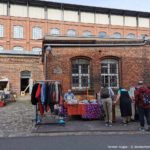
139	5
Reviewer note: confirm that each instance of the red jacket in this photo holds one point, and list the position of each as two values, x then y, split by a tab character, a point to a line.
139	97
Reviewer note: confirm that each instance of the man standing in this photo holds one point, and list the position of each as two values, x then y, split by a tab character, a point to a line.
142	100
106	96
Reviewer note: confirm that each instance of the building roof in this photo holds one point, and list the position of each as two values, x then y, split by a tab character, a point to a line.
79	7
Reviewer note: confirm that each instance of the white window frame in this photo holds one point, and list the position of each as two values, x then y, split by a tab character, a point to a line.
36	33
18	32
102	34
109	74
87	34
80	75
71	33
37	50
1	48
18	48
55	31
1	31
117	35
131	36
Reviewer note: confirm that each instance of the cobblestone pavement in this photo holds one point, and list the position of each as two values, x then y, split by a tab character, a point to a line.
16	118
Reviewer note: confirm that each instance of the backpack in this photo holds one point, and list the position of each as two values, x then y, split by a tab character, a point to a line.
146	99
105	93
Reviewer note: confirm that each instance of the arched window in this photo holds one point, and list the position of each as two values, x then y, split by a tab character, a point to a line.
116	35
55	31
131	36
109	73
71	33
87	34
18	48
1	48
18	32
80	73
102	35
1	30
37	49
36	33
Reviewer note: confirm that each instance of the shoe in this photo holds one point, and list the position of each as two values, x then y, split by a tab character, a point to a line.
142	129
110	124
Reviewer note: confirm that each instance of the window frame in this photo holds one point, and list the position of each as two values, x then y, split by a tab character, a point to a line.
55	31
102	36
1	30
80	74
1	48
71	33
108	73
117	35
131	36
87	34
36	33
18	32
21	48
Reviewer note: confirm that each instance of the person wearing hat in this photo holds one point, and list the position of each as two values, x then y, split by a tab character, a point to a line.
142	100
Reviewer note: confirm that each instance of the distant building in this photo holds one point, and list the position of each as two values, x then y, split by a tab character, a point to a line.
24	23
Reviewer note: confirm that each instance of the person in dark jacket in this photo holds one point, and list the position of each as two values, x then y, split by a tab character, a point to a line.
125	104
143	107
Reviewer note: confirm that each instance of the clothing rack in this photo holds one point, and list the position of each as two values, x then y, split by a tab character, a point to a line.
38	117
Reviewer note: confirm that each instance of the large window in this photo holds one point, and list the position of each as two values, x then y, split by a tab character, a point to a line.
1	31
18	32
71	33
102	35
80	74
36	33
55	31
18	48
37	49
1	48
87	34
109	73
116	35
131	36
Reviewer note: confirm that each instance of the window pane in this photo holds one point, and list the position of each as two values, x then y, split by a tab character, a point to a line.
84	81
36	33
84	68
71	33
1	48
104	80
17	48
18	32
75	81
113	81
131	36
102	35
55	31
113	68
87	34
117	35
104	68
75	68
1	30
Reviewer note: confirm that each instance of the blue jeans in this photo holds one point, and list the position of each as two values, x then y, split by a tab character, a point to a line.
144	112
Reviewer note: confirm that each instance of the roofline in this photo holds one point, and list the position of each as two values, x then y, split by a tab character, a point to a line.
80	7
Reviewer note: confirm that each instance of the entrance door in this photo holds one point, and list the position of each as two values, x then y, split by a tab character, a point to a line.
25	81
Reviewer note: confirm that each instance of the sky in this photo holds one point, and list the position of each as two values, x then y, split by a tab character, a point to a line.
137	5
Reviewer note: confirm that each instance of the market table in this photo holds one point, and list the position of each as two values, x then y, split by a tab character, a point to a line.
86	111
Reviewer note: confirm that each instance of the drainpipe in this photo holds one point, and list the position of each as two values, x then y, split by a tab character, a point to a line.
96	45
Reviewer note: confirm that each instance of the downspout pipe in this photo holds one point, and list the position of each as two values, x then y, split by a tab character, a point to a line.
96	45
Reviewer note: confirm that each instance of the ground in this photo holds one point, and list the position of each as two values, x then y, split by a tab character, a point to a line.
17	120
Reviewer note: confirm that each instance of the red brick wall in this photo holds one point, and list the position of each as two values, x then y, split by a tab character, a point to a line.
11	68
133	63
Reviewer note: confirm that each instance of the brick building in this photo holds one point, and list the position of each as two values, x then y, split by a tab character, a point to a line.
82	63
24	23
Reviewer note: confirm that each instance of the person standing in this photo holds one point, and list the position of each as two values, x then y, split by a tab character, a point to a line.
142	100
106	96
132	94
125	104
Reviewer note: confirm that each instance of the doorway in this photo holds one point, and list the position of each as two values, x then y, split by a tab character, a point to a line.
25	82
